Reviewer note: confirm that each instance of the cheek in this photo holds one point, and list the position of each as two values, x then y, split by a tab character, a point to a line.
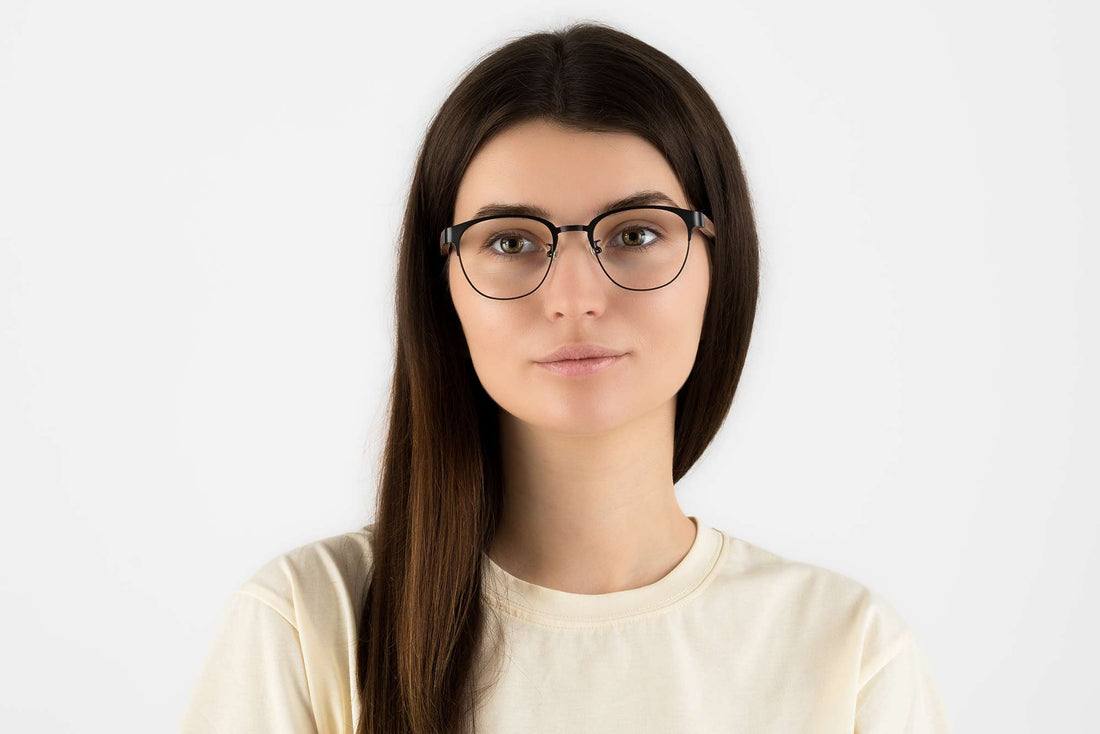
490	333
671	325
672	332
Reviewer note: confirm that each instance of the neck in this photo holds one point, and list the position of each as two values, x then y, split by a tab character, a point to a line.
591	514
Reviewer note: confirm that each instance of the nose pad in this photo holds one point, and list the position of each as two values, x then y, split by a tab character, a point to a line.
583	246
582	237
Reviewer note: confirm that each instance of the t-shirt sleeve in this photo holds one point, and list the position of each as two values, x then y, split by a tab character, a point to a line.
253	680
899	695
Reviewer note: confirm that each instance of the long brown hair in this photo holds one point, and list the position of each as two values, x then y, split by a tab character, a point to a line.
440	493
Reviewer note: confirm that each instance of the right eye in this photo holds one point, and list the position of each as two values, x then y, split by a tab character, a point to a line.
512	243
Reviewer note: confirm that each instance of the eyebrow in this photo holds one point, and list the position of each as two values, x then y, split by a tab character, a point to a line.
640	198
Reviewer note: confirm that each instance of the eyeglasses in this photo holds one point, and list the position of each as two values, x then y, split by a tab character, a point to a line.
640	248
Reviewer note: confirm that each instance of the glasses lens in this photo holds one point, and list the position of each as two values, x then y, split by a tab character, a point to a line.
506	257
642	248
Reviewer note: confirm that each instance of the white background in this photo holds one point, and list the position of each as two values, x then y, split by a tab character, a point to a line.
199	204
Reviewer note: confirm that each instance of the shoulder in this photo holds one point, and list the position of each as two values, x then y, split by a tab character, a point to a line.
817	603
283	657
320	578
824	620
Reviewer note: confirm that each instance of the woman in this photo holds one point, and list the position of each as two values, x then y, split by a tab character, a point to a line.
576	290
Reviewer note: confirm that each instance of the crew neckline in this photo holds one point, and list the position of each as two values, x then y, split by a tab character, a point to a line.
563	608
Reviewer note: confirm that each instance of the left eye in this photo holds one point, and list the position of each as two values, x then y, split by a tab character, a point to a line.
633	236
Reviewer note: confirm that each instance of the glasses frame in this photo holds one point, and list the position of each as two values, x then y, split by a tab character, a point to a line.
693	219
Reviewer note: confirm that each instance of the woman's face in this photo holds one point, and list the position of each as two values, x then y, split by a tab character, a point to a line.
572	174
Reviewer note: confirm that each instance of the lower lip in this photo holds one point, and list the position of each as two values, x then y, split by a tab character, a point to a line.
574	367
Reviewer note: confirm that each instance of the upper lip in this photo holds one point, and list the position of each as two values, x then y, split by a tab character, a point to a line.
580	351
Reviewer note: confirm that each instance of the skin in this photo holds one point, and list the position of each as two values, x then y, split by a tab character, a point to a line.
589	504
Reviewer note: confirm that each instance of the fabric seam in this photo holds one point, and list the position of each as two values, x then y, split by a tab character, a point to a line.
889	655
562	621
301	653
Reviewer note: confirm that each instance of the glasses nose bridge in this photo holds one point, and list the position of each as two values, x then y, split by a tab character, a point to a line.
576	228
584	229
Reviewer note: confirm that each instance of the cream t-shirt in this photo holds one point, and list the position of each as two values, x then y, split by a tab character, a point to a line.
733	639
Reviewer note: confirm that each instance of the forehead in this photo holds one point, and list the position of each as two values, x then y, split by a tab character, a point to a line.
569	173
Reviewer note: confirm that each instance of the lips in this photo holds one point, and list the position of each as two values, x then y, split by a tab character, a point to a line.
576	367
580	351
